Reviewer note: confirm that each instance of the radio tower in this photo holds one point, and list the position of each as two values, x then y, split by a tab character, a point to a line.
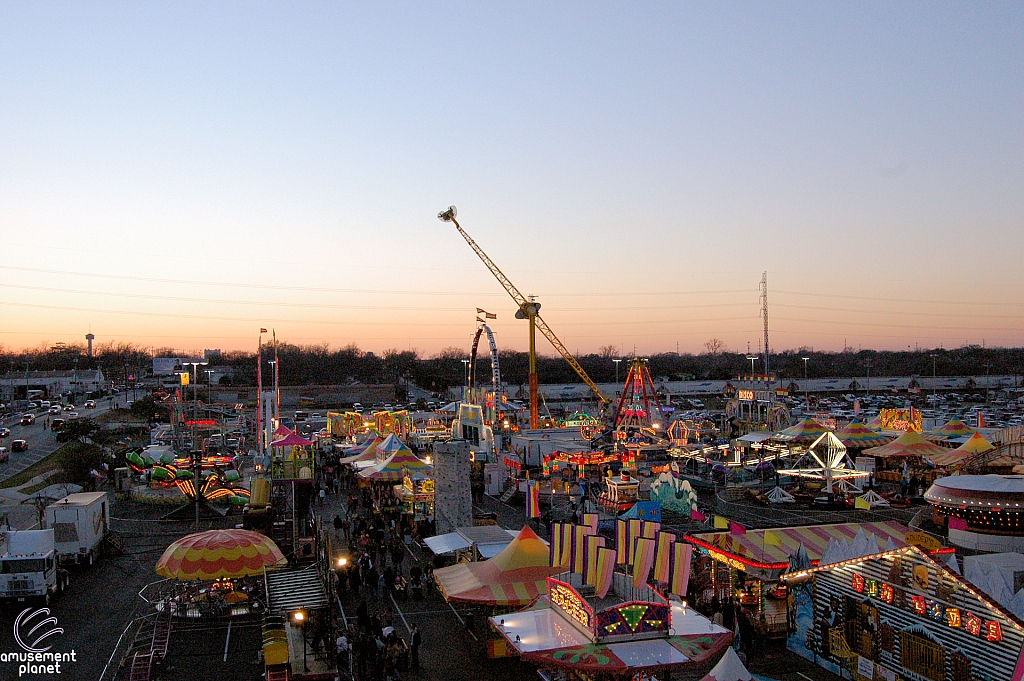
764	314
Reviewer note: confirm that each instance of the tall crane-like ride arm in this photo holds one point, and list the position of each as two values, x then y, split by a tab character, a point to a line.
524	304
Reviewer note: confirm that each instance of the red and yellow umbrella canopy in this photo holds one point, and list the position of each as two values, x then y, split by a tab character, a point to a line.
219	554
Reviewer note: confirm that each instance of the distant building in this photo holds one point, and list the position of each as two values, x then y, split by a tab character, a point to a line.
18	384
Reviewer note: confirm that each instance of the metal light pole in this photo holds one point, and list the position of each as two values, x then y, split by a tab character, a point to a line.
935	380
209	390
868	365
752	358
988	385
806	405
465	372
617	362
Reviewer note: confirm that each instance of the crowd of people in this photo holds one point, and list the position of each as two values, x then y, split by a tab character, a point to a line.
372	528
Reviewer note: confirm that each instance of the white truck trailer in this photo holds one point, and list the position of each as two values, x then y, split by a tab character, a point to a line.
79	523
28	566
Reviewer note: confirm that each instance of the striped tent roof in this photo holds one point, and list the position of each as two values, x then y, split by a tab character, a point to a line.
855	435
875	423
364	452
516	576
753	550
805	432
394	467
953	428
909	444
976	444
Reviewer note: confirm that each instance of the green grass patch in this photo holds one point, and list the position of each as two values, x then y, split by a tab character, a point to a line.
55	479
47	463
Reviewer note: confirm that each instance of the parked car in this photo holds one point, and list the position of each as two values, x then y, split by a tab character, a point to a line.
19	446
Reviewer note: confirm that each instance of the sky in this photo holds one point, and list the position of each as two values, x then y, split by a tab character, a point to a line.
182	174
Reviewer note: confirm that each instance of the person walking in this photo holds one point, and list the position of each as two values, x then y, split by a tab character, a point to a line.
417	640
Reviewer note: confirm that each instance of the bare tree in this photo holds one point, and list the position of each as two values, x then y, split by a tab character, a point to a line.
715	346
608	351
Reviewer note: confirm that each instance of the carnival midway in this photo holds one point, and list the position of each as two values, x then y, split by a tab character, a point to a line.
627	534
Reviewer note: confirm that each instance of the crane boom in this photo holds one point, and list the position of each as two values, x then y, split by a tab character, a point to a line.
524	306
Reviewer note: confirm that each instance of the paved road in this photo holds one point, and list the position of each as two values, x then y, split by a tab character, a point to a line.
41	442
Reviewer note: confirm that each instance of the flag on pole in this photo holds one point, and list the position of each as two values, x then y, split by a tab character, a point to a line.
486	314
635	530
533	501
681	554
771	539
555	547
579	538
697	515
862	503
957	523
736	528
593	543
605	571
721	523
650	529
566	545
622	541
643	559
262	330
663	557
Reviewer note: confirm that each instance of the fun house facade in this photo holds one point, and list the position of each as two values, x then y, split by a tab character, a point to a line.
902	616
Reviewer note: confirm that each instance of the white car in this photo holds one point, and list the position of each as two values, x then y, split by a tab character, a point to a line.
53	410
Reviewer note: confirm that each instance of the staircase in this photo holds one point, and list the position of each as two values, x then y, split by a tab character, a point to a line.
509	493
161	635
142	664
113	545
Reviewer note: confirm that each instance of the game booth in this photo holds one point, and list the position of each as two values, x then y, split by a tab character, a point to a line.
747	565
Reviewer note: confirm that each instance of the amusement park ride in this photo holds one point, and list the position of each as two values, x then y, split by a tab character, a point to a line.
529	309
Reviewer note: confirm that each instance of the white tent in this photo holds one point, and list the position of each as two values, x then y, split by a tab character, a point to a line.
874	500
780	496
729	668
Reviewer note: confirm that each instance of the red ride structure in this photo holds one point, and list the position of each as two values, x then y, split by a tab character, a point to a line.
638	406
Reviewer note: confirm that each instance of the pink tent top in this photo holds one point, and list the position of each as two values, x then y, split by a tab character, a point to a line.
291	440
283	431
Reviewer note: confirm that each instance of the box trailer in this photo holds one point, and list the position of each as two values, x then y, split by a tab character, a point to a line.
79	523
28	566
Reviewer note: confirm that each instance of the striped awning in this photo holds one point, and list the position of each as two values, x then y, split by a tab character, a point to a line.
755	550
805	432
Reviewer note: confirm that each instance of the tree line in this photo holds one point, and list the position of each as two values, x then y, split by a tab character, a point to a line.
321	365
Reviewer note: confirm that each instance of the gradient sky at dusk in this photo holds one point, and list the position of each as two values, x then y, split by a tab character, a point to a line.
181	174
